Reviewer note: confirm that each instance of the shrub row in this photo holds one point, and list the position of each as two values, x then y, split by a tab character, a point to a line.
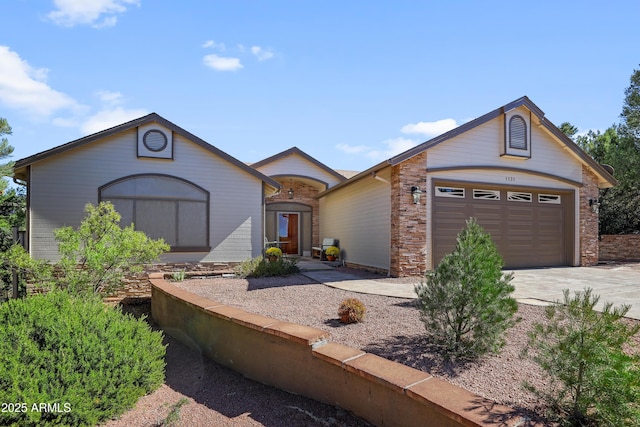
87	361
260	267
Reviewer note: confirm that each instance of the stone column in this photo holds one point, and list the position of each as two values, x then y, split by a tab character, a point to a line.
408	220
588	219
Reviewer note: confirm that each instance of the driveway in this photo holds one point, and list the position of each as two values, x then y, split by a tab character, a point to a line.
618	284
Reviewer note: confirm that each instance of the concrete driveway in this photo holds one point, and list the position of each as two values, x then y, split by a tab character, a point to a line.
618	284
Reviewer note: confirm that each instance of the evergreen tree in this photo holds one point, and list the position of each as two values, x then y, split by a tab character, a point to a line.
465	303
6	169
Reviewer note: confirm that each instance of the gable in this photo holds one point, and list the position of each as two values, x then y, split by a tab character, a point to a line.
486	146
295	163
536	120
159	145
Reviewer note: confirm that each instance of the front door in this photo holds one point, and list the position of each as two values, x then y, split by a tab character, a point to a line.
288	225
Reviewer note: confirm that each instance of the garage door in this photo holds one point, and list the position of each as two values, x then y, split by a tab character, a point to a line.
530	228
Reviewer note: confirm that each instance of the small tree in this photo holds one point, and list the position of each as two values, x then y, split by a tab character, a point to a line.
593	381
99	254
465	303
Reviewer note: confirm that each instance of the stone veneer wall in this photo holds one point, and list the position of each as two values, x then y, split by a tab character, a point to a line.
620	247
305	194
138	286
588	219
408	221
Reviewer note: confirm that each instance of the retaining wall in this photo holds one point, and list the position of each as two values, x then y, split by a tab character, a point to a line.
620	247
301	360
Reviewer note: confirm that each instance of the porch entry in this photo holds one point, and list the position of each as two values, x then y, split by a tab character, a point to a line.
289	224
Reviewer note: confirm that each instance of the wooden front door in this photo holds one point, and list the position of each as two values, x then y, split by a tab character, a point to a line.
288	236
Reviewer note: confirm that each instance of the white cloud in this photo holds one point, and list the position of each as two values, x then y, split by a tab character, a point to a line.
214	45
352	149
393	146
110	98
430	129
24	87
97	13
108	118
389	148
261	54
221	63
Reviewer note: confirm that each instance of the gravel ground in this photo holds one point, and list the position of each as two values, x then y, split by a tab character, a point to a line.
391	329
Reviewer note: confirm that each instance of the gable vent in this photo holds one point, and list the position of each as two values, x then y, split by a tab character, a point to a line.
155	140
517	133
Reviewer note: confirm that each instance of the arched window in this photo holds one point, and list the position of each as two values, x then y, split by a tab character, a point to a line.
163	207
517	133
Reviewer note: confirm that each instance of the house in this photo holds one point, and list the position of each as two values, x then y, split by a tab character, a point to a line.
525	182
207	205
531	187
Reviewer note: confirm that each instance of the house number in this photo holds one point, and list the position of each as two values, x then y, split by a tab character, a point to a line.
510	178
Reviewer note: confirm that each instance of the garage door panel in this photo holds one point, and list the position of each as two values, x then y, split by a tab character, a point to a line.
526	233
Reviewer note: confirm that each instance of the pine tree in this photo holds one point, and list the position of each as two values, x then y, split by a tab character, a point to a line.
465	303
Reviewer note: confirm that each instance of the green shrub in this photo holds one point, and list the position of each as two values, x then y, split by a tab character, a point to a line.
90	360
592	380
465	302
351	310
260	267
178	276
104	251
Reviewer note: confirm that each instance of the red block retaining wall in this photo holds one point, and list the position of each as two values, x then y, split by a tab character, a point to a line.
620	247
301	360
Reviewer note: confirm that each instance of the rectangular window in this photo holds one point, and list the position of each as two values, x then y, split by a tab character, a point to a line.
554	199
518	196
486	194
450	192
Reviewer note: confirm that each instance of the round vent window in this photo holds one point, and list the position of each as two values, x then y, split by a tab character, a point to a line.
155	140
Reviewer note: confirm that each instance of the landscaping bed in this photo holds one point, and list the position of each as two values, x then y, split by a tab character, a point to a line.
391	329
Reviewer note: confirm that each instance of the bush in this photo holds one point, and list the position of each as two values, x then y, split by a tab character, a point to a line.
89	361
351	310
592	380
465	303
260	267
104	251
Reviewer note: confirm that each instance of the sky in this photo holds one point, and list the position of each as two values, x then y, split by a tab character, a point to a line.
351	83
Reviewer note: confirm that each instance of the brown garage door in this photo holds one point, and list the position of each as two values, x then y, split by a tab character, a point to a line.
530	228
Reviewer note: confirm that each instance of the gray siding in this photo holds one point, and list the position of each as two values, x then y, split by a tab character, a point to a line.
359	215
61	186
297	165
481	146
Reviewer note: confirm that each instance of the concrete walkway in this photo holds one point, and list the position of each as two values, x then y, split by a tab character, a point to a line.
542	286
326	274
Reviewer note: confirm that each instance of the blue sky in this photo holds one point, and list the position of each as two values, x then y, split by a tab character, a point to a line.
349	82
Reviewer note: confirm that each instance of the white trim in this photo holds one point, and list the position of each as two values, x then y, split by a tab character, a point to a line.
486	194
455	192
553	199
519	196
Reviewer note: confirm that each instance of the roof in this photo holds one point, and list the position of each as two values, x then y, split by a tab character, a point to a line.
150	118
587	160
296	150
